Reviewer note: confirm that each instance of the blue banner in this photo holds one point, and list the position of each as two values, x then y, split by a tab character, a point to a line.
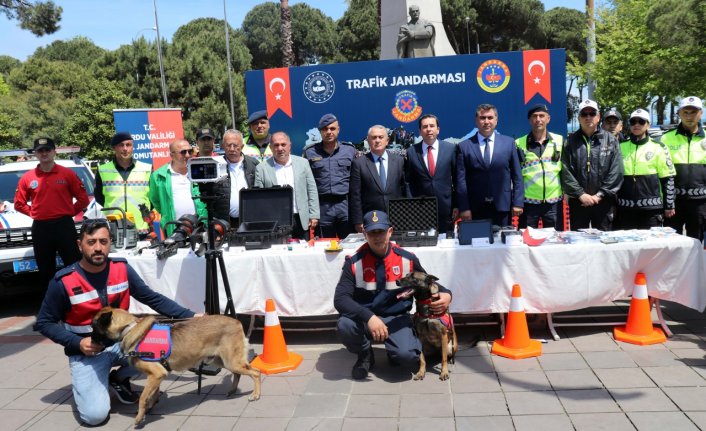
395	93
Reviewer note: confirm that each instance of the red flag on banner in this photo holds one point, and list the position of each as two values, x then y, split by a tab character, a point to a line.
277	91
537	74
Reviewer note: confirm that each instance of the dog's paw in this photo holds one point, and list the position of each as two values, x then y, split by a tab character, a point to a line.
444	376
254	397
419	376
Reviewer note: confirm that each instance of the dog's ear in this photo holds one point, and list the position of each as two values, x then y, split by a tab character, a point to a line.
105	319
431	278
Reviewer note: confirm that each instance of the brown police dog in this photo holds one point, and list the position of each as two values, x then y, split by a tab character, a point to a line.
219	340
433	334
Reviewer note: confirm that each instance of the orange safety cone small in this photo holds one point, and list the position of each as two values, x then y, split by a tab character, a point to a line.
275	358
639	328
516	344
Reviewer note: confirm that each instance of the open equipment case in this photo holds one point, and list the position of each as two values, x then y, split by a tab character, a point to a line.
414	221
265	217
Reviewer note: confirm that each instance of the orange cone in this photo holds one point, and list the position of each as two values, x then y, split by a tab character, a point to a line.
516	344
275	358
639	328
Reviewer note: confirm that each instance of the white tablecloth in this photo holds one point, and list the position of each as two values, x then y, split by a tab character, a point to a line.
553	277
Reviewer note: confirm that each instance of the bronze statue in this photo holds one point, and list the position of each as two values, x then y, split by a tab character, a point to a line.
416	38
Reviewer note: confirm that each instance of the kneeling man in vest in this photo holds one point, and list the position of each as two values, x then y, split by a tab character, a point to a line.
75	295
367	297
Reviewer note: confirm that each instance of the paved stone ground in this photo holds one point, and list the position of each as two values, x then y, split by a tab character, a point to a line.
585	381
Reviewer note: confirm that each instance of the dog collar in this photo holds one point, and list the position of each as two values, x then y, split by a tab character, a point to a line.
127	329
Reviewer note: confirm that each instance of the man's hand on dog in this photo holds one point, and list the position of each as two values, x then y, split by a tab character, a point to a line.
89	348
440	304
377	328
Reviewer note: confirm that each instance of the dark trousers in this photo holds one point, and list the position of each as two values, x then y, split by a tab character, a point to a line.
631	218
334	217
599	216
50	237
533	213
298	231
402	345
488	211
692	213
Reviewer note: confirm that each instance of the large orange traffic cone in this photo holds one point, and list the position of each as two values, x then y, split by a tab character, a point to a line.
517	344
275	358
639	328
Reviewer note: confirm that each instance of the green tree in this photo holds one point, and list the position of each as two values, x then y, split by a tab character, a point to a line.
261	29
90	126
8	63
79	50
70	79
507	25
359	36
454	13
37	111
38	17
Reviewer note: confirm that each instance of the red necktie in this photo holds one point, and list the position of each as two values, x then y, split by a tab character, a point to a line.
430	160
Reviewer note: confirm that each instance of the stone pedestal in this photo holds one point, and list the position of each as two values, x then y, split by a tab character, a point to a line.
394	14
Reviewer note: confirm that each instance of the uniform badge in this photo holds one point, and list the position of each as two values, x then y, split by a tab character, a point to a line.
375	217
396	270
42	141
703	144
649	155
33	184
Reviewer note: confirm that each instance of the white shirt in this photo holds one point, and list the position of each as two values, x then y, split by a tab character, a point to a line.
237	183
181	194
491	144
285	175
434	152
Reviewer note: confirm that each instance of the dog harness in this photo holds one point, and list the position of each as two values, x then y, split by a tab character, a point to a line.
156	346
444	318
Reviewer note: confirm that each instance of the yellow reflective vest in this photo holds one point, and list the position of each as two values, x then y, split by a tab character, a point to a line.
127	194
689	157
541	175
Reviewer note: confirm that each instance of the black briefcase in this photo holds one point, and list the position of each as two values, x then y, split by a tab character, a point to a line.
265	217
414	221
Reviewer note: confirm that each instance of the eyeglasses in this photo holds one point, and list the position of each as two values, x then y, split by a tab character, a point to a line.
640	121
91	224
185	152
587	114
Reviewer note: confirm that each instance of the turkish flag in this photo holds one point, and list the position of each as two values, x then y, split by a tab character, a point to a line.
537	73
277	91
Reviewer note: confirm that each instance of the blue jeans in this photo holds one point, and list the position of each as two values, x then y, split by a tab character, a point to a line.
89	381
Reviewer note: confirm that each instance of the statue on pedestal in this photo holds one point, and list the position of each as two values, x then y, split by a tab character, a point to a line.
416	38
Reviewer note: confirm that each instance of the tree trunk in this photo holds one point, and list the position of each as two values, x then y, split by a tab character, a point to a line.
286	34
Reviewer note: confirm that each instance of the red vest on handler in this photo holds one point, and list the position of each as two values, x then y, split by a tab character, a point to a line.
85	301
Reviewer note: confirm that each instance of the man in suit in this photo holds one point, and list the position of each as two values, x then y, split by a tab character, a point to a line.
431	171
488	175
241	172
285	169
375	178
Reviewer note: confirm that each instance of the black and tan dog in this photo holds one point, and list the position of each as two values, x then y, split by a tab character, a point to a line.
219	340
435	331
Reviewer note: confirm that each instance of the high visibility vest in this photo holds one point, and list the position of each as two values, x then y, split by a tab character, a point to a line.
364	268
644	165
127	194
689	158
253	150
85	302
541	175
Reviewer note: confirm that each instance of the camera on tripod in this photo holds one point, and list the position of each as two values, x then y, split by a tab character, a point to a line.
206	169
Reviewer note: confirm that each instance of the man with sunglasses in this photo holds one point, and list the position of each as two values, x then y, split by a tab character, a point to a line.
46	194
171	192
687	146
74	296
592	171
647	194
124	182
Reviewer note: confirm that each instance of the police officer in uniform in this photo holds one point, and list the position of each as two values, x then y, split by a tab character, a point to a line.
540	159
330	162
687	145
613	124
647	194
258	144
366	298
124	182
46	194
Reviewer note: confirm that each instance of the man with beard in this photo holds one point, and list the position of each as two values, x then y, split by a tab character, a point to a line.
74	296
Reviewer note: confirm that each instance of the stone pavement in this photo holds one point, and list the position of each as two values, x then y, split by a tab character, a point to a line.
585	381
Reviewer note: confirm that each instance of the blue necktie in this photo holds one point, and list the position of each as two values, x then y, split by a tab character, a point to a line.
486	154
383	176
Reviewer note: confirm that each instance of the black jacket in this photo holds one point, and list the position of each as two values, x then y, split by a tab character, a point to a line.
221	207
601	174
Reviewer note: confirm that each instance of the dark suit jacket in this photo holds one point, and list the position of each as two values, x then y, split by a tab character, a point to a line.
502	180
366	193
442	185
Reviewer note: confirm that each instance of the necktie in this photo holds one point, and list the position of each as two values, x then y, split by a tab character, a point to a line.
430	161
486	154
383	176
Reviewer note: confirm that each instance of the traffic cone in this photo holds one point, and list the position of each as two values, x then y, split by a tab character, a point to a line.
516	344
275	358
639	328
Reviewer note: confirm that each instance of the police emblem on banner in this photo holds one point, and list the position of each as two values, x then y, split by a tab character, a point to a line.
407	107
319	87
493	76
